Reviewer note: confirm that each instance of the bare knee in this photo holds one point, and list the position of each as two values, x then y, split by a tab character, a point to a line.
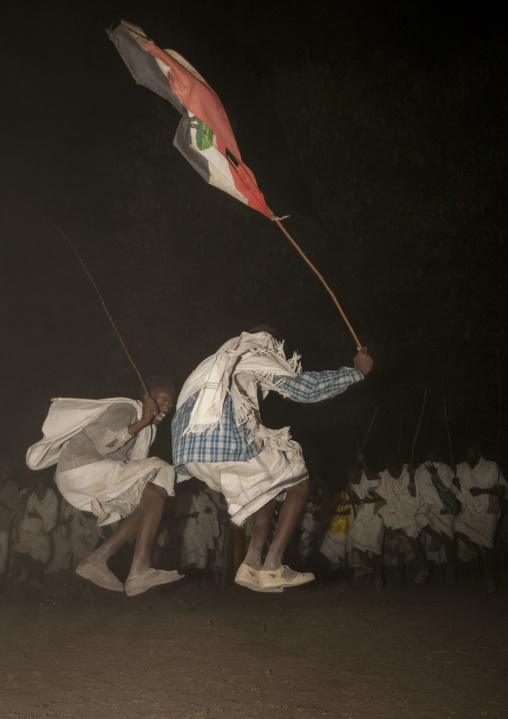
154	494
300	490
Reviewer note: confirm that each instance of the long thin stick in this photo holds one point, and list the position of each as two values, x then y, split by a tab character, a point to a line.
418	427
449	437
399	443
103	305
353	425
320	276
498	418
370	427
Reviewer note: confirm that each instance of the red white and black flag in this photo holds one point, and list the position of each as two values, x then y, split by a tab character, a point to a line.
204	135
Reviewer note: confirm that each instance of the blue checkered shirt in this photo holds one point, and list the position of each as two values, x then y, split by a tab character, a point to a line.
230	443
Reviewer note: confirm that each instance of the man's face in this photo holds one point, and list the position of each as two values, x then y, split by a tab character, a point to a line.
5	470
166	400
40	489
395	470
354	476
472	456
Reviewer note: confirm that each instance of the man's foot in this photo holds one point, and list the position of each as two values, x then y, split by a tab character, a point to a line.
422	576
139	583
248	577
283	577
99	574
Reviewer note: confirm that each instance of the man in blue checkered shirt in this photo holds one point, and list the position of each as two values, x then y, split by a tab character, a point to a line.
218	437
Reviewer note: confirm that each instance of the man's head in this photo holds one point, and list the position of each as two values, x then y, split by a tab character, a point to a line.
40	487
162	390
473	453
354	474
7	465
432	454
394	465
265	328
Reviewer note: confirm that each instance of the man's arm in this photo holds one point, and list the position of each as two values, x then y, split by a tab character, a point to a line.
118	425
317	386
497	491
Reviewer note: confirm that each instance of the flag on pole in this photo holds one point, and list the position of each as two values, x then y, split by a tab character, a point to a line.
204	135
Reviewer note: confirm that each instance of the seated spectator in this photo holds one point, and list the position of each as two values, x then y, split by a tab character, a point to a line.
8	501
35	518
481	486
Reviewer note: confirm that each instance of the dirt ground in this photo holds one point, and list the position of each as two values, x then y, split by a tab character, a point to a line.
186	652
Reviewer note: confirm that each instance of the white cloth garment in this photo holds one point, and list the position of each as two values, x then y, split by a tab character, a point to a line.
429	501
367	530
334	547
248	486
85	535
62	552
400	509
67	417
108	488
249	362
199	533
478	516
33	532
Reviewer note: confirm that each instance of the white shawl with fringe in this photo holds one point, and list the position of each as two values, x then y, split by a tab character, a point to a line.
247	363
67	417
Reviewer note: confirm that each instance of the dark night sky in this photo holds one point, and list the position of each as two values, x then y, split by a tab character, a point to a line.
380	128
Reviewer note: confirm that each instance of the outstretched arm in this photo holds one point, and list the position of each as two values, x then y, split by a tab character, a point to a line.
317	386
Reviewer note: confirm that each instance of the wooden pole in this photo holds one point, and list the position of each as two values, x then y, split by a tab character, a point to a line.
498	417
418	427
321	278
104	306
449	436
399	443
370	427
353	425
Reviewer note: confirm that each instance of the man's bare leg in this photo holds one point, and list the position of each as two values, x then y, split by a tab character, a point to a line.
152	504
142	524
273	575
377	563
290	513
262	519
139	524
449	548
421	561
489	559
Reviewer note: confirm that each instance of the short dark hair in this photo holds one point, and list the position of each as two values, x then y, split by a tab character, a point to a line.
155	382
265	328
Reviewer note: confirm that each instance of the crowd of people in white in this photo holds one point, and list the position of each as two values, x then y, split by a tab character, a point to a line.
425	518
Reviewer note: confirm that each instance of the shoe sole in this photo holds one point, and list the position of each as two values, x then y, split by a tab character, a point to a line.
286	584
139	590
87	573
258	588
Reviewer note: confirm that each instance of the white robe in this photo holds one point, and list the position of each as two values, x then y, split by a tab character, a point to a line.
400	509
110	489
478	516
62	552
85	535
33	532
199	532
367	531
429	501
